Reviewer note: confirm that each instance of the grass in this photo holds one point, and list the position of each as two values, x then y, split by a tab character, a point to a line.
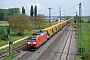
3	22
77	58
13	37
85	40
15	53
13	46
12	56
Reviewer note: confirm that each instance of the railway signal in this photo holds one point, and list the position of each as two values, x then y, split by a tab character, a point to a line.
8	31
8	36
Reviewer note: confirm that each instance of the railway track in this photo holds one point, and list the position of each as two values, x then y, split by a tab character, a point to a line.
23	56
50	53
65	52
6	53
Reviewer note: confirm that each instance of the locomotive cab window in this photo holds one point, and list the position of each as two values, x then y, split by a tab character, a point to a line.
32	38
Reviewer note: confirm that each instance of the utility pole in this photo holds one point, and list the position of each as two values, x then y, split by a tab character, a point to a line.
49	16
64	15
60	13
80	31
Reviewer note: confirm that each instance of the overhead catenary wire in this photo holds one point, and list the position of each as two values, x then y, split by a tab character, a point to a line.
65	10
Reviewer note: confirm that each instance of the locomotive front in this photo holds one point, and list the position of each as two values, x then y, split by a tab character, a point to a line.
31	42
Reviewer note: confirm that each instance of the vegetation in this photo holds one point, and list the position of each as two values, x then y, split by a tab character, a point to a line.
85	39
39	21
74	25
23	10
2	33
19	23
76	18
31	11
35	13
14	37
12	56
67	18
3	22
8	12
89	20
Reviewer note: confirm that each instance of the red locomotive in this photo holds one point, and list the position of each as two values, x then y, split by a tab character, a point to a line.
35	40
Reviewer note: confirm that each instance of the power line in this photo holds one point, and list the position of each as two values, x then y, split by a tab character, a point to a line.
64	10
55	13
71	7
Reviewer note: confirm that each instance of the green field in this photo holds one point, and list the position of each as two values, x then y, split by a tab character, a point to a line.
3	22
85	40
14	37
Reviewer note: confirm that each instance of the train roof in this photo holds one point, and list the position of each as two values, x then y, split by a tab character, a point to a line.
47	28
38	33
51	26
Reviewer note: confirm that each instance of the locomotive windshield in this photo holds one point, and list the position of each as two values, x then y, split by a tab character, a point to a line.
32	38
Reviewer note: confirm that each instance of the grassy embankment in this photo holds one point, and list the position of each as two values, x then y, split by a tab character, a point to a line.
85	40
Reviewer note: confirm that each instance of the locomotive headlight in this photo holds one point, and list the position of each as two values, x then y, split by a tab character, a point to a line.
34	42
28	42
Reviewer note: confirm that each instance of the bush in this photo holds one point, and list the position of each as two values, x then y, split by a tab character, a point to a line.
74	25
89	20
20	34
3	33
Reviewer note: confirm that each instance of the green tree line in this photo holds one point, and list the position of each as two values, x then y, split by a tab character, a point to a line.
8	12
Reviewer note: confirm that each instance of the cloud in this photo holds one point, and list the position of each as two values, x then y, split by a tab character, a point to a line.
37	4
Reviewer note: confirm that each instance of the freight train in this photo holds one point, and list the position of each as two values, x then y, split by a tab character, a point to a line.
37	39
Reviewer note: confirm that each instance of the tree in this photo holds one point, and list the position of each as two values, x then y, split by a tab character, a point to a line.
76	19
31	11
40	21
7	12
19	23
67	18
12	11
2	33
1	14
35	11
23	10
89	20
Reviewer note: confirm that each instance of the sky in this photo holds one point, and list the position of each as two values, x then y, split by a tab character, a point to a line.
68	7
